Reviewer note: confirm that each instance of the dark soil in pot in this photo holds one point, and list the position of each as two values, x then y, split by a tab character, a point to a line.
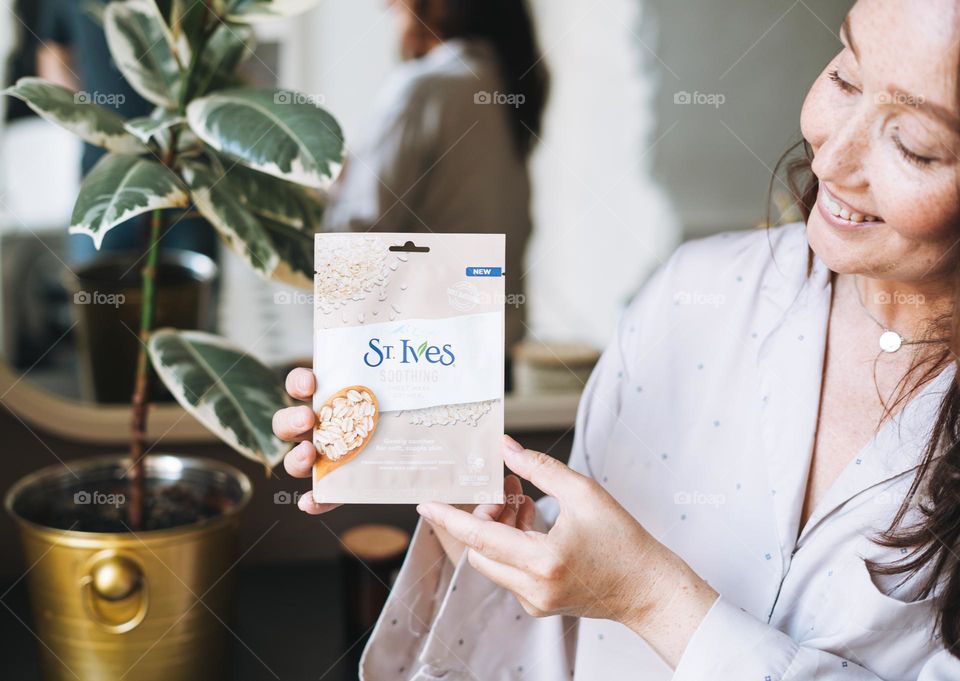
97	501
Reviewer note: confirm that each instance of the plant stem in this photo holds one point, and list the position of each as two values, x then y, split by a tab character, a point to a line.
141	389
148	278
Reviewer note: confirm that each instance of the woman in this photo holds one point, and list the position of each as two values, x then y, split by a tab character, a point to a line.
452	132
767	489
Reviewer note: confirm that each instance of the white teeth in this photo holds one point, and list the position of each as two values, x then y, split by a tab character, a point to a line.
839	211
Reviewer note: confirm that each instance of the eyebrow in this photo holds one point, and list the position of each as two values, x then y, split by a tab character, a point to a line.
906	100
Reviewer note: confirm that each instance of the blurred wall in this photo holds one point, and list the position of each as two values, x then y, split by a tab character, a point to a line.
603	223
749	64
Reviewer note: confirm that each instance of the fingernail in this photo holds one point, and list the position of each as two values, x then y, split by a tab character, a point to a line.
303	382
304	452
424	511
512	444
304	419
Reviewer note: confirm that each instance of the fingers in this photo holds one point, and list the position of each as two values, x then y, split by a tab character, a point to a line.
308	505
526	514
548	474
293	423
512	494
299	461
488	511
511	488
506	576
301	384
494	540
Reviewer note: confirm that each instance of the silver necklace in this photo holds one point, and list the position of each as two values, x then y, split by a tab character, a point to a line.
890	341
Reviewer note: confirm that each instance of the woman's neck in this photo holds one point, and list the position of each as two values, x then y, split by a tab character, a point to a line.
910	308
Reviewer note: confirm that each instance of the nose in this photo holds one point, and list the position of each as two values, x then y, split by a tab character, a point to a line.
841	159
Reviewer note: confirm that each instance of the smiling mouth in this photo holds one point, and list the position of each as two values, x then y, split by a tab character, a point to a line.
838	209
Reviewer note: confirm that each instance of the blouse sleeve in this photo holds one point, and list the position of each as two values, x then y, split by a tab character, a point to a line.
732	644
453	623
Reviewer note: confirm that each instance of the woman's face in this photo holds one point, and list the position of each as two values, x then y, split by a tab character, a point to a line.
883	123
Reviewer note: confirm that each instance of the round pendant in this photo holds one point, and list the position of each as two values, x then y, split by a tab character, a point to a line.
890	341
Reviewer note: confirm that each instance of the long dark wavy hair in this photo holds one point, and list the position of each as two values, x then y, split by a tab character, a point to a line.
933	540
508	27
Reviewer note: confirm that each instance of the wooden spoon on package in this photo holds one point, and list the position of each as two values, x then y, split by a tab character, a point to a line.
324	464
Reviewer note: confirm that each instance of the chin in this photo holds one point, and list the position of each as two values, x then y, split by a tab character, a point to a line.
845	252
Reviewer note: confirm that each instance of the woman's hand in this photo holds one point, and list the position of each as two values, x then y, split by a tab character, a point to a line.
597	561
295	424
517	511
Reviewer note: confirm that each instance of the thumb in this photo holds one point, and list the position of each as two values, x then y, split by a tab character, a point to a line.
548	474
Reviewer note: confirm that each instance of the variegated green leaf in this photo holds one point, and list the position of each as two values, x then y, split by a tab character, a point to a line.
121	187
257	10
284	202
150	126
231	393
226	49
143	49
295	249
75	112
279	133
273	250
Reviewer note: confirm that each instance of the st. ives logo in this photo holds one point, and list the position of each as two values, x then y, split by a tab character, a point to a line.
408	352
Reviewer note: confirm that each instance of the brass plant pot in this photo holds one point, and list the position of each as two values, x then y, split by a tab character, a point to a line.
147	607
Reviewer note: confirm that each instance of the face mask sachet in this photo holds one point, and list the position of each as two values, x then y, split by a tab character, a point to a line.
408	356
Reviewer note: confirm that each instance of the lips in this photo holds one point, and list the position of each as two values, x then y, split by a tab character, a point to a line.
843	211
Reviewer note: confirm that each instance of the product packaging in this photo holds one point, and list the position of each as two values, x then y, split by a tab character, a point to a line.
408	355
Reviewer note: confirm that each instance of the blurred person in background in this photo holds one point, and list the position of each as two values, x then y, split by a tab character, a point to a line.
452	132
73	52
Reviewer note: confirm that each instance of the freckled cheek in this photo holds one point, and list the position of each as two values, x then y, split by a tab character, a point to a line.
921	210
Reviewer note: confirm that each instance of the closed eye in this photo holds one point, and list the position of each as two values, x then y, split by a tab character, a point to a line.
841	83
915	159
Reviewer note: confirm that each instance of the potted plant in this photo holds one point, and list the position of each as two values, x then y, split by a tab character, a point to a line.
131	556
